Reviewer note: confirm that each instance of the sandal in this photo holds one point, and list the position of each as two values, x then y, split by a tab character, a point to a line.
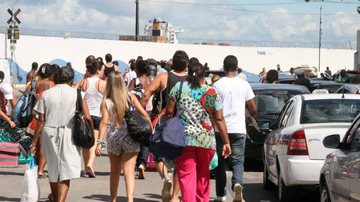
50	197
89	172
42	175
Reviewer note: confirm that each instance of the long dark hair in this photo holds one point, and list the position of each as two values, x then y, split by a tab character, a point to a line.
196	71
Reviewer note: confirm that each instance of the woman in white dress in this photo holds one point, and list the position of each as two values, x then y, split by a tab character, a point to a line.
56	109
122	149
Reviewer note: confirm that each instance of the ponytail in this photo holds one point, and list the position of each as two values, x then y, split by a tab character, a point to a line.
196	72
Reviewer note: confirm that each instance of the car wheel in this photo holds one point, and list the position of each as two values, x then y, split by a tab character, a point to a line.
324	193
267	184
285	193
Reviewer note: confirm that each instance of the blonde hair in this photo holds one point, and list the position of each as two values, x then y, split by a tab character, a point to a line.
214	78
117	92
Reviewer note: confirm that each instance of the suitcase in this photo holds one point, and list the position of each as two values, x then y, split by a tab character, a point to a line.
9	154
150	163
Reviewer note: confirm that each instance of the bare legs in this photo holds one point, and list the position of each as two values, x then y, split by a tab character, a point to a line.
128	161
163	171
60	190
89	155
40	159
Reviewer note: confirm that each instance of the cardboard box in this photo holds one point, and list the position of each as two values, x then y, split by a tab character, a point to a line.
9	154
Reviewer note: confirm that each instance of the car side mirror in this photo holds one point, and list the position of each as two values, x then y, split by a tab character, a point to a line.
332	141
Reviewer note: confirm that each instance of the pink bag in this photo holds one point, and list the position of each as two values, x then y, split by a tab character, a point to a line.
151	164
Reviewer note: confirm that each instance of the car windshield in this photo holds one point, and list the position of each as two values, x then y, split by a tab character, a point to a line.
272	102
329	111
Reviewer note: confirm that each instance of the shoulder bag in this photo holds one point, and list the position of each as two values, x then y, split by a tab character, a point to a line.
138	126
82	135
168	140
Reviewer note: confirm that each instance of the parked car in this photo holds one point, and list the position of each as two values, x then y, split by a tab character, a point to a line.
293	150
349	89
315	83
331	86
340	174
269	99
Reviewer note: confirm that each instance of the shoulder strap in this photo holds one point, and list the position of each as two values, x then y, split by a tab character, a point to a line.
79	101
82	84
180	90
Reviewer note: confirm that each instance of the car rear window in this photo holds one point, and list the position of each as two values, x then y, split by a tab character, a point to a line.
329	111
271	102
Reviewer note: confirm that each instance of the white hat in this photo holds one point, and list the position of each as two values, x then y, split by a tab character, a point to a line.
7	90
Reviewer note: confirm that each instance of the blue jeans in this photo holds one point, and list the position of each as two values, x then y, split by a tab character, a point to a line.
143	155
237	143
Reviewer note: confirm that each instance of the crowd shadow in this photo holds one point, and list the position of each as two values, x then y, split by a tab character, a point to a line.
2	198
101	197
11	173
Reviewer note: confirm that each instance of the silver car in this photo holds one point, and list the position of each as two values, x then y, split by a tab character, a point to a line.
340	174
293	152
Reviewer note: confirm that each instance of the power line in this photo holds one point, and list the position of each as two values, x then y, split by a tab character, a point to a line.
230	7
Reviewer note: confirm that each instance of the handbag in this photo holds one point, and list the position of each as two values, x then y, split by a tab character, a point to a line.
168	140
82	135
138	126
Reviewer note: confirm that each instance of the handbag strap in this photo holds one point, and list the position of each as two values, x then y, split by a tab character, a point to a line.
79	101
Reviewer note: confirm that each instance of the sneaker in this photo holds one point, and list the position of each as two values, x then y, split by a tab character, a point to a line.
141	170
166	191
238	193
220	198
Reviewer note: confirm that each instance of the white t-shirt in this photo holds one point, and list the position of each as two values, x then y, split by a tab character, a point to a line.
130	76
234	92
7	89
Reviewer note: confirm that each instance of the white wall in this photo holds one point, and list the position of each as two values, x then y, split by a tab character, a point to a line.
252	59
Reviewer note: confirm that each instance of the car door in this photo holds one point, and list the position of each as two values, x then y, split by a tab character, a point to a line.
346	164
272	139
354	166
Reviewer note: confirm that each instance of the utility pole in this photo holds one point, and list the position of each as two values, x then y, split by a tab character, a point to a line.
137	21
320	33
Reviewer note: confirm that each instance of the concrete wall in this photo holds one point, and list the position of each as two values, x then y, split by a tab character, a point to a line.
252	59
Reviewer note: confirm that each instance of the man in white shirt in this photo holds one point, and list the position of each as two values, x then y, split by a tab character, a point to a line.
234	93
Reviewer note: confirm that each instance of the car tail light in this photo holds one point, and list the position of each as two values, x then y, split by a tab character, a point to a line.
297	144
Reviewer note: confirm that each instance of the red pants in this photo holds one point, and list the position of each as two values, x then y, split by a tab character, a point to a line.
194	175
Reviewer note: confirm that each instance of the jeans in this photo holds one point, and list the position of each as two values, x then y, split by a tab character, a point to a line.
143	155
237	143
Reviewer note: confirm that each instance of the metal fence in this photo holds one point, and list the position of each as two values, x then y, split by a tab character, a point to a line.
283	44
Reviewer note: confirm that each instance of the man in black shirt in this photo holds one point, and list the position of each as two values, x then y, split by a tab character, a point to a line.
301	79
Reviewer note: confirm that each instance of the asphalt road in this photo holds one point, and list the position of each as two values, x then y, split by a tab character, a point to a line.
87	189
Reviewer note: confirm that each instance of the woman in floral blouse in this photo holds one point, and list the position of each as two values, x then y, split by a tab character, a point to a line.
200	109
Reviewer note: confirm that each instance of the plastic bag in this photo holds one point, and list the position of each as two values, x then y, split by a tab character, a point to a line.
214	162
30	189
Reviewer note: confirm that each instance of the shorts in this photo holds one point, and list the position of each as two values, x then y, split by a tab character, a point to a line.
119	141
96	120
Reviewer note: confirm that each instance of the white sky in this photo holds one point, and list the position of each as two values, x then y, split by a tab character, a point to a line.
248	20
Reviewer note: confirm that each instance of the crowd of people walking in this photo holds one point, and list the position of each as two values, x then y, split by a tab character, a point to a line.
213	118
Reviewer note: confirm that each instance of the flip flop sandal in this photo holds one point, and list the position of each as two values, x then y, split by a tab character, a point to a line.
50	197
90	173
42	176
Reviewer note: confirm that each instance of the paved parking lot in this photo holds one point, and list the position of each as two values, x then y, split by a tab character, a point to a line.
86	189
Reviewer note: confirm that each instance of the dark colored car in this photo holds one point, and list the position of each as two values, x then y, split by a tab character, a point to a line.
349	89
331	86
270	99
315	83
